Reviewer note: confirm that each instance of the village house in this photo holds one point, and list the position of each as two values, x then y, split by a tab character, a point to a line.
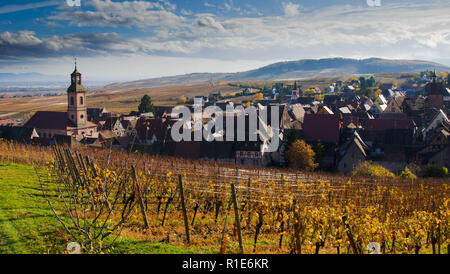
351	154
115	125
432	119
385	132
19	134
441	158
153	130
130	127
94	114
395	105
203	99
323	128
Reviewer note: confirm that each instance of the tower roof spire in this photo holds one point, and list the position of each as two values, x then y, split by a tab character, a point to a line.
75	70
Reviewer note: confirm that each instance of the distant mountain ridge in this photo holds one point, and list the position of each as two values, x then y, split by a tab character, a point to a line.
306	68
30	77
340	66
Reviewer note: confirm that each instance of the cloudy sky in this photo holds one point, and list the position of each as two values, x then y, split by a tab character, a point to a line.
124	40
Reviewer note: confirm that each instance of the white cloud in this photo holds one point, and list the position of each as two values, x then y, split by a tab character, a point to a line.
14	8
127	13
25	45
228	6
168	4
208	22
186	12
291	9
209	5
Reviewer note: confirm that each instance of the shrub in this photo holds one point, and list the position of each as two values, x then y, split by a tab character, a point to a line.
407	174
434	171
369	169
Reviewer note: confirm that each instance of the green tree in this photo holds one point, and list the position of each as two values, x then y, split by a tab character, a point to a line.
319	149
280	98
364	87
371	82
290	137
146	105
301	156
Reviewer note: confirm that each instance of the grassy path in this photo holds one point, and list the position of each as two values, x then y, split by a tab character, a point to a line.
27	224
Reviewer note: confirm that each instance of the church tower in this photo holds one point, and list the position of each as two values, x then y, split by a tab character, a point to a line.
435	93
76	96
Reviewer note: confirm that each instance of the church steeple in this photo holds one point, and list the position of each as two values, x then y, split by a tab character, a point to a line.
434	76
76	99
75	76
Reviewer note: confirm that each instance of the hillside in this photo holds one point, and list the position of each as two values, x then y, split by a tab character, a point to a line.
301	69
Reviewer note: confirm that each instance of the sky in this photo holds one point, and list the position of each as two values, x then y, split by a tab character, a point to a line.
130	40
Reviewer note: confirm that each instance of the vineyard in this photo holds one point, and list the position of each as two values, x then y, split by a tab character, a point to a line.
221	208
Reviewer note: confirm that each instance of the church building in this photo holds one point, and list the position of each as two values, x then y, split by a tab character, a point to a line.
74	122
437	94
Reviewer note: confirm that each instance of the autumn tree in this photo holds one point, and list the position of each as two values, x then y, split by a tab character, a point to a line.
182	100
259	97
300	156
377	93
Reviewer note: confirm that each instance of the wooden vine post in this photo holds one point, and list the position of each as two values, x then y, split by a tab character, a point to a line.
298	243
237	218
183	206
350	235
139	196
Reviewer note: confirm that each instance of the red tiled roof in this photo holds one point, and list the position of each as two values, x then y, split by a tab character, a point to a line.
385	124
321	127
156	127
49	120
